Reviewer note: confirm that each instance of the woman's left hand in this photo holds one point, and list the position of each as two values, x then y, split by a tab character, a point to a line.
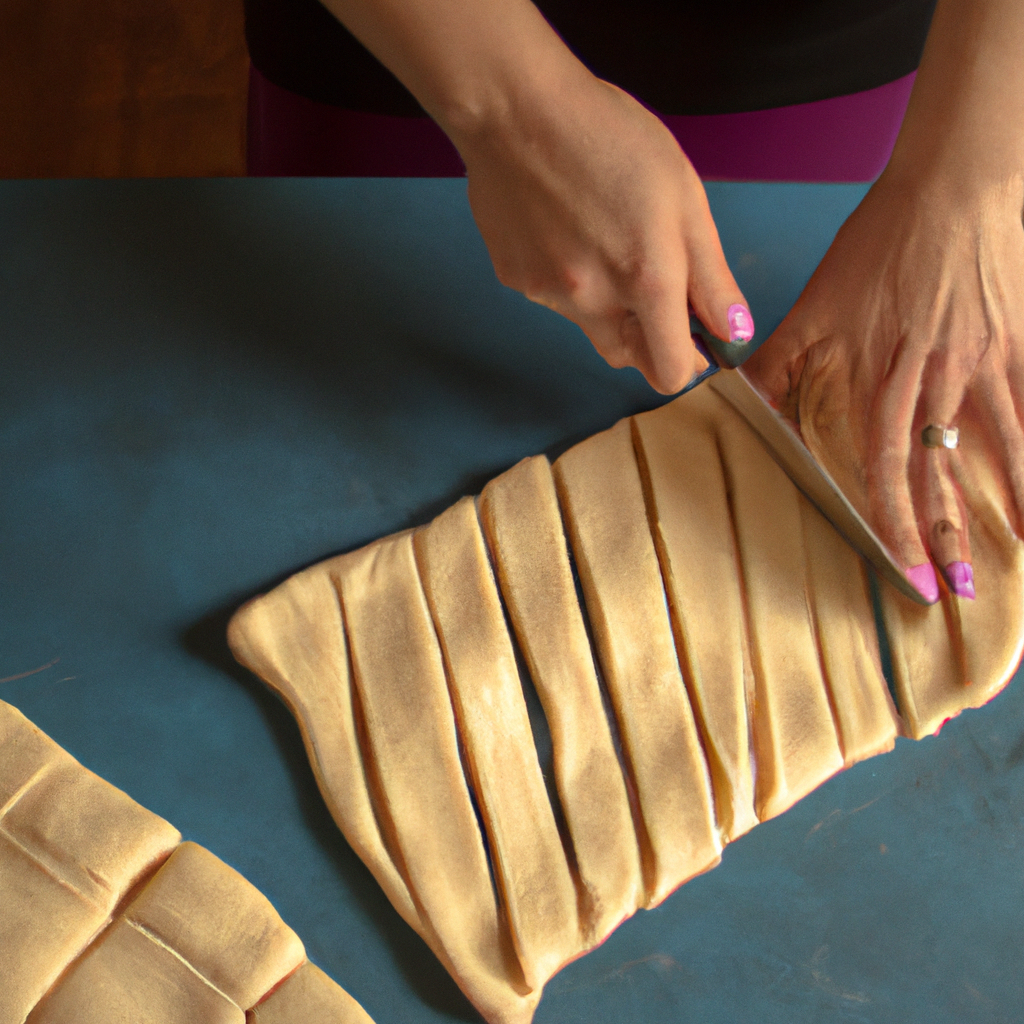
915	317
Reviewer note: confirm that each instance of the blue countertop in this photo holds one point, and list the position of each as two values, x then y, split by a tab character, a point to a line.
206	385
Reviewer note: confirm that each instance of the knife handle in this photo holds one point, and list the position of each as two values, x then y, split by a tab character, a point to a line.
712	366
724	354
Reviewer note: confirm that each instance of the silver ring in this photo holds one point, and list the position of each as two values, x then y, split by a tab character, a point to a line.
934	436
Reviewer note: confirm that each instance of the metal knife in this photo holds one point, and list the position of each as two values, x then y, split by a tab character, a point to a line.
789	451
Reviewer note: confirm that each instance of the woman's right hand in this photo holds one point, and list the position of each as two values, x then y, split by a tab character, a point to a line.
585	200
588	206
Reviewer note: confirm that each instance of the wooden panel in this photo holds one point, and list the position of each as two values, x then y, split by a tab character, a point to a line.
122	88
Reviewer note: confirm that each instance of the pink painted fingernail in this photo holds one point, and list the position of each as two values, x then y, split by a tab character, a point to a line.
741	323
960	577
924	579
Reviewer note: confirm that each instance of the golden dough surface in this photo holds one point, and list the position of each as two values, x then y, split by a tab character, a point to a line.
308	997
107	917
705	650
521	518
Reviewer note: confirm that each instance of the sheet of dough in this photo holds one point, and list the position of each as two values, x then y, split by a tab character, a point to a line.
693	532
526	851
294	637
520	515
423	799
196	943
789	640
70	847
795	741
601	495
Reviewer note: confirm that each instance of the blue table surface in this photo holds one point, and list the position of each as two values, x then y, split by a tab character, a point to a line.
206	385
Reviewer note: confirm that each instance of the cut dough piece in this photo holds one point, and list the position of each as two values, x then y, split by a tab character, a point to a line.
795	742
529	862
692	527
295	638
308	997
844	622
599	486
197	943
129	976
220	923
423	799
70	847
523	525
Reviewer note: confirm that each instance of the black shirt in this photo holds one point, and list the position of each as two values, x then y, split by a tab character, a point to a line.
677	56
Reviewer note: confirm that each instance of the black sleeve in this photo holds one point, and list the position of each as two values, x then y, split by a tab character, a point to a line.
677	56
299	45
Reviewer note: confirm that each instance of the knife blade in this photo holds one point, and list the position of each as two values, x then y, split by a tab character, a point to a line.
789	451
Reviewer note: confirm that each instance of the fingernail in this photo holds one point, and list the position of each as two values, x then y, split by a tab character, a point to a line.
924	579
741	323
960	577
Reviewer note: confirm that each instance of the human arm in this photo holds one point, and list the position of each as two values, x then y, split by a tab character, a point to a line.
583	197
916	314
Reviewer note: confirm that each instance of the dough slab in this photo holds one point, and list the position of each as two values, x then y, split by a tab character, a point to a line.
704	647
106	916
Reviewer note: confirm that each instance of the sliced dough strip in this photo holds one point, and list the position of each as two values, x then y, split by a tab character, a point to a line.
399	674
795	740
523	525
844	622
294	637
601	496
526	850
692	527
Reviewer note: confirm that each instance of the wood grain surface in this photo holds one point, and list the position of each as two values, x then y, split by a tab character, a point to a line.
122	88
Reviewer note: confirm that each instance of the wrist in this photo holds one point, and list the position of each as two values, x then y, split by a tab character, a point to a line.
956	183
498	100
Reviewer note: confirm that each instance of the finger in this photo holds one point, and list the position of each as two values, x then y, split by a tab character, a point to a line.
891	506
999	415
660	328
656	342
713	292
943	518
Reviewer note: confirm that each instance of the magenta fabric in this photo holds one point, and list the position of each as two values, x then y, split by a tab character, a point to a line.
291	136
846	139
